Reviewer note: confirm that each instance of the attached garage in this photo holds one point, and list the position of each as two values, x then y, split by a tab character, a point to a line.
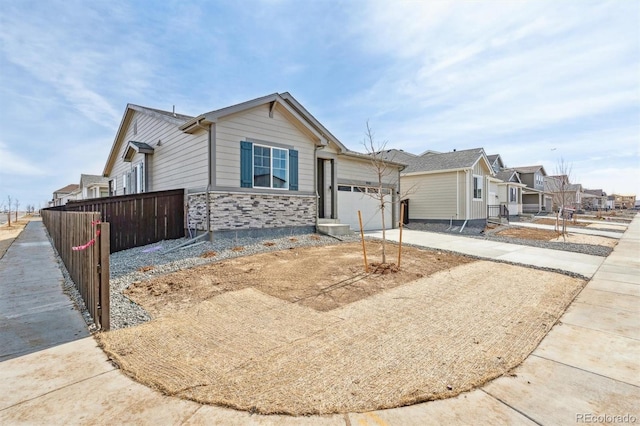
352	198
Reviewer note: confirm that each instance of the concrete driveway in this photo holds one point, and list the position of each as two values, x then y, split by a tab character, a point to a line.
583	264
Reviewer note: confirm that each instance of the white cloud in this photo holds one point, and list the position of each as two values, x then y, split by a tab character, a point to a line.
15	164
70	48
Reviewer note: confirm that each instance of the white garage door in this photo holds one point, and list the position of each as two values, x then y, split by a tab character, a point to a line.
354	198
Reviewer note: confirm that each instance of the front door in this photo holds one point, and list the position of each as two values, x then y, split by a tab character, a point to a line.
320	187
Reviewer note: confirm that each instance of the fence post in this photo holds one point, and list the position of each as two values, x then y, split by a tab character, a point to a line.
103	277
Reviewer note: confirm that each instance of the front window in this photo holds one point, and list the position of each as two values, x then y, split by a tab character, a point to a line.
270	167
513	195
477	187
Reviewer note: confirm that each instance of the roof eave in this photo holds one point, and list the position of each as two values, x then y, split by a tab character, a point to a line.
431	172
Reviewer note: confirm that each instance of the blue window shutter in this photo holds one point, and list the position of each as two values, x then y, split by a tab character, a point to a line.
293	170
246	157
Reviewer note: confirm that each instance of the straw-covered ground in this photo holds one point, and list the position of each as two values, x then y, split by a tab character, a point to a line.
551	235
9	233
305	331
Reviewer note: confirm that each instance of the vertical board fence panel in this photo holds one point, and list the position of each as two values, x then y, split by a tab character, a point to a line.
88	266
137	219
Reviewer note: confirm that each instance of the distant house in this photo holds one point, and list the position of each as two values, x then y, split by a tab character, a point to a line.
261	167
624	201
93	186
510	189
564	193
496	162
534	197
64	194
594	199
446	187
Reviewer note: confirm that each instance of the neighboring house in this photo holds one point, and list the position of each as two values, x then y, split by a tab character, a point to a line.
261	167
534	198
624	201
93	186
564	193
496	162
510	189
594	199
446	187
63	195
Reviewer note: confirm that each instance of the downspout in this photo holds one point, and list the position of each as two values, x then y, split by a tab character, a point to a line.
457	194
207	201
467	191
466	201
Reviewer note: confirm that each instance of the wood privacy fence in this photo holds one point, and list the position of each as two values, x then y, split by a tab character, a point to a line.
89	266
137	219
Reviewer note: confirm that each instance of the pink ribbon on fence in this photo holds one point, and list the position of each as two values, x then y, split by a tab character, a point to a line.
91	241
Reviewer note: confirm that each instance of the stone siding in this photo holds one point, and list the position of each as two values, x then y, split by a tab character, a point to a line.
243	211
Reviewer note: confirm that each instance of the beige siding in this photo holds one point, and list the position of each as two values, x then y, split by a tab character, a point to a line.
503	193
432	196
351	170
257	125
179	162
465	192
479	207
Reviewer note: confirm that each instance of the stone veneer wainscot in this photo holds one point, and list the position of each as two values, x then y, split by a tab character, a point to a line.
244	211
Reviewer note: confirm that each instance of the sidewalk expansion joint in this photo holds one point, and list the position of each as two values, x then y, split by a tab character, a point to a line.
511	407
585	371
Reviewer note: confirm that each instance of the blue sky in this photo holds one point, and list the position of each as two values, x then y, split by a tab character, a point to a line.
533	81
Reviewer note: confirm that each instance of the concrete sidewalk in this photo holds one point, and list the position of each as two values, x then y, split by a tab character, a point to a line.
576	229
578	263
586	366
34	312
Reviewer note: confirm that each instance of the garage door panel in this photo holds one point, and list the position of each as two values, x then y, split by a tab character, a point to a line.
350	202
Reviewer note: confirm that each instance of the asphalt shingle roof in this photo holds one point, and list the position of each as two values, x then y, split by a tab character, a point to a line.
86	180
398	156
505	175
444	161
527	169
68	189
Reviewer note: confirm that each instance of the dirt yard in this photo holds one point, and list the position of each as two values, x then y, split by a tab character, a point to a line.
322	278
9	233
304	331
550	235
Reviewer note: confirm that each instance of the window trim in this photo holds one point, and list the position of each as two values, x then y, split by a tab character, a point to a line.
271	159
480	187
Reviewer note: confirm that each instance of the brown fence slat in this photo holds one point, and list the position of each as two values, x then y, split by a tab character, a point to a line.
137	219
88	268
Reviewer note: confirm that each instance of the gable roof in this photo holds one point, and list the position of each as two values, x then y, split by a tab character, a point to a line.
455	160
190	124
397	155
530	169
596	192
492	159
285	100
507	175
67	189
88	180
130	110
